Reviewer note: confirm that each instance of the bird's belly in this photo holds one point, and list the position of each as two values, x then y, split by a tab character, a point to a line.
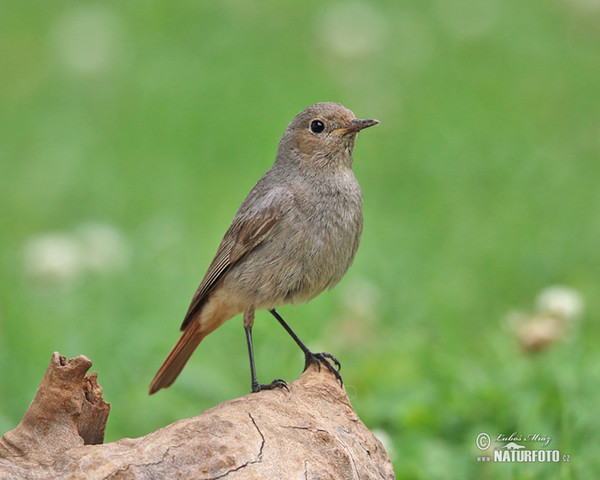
295	264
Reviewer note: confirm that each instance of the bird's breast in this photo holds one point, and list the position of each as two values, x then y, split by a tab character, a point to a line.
328	226
308	250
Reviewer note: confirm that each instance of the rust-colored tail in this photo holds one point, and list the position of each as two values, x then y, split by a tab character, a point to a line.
178	357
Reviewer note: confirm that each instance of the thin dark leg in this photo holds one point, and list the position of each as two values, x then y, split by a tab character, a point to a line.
257	387
309	356
251	355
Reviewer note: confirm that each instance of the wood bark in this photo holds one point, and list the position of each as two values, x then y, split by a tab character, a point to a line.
310	432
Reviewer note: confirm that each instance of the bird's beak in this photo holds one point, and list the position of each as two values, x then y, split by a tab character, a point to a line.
356	126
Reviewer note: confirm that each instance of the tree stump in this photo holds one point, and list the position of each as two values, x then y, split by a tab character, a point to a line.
310	432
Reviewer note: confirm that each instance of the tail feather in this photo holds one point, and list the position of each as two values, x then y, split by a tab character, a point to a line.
178	357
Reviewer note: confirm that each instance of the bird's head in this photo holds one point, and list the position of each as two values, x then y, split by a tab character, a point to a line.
322	135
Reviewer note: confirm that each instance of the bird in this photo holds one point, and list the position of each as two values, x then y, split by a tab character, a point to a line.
294	236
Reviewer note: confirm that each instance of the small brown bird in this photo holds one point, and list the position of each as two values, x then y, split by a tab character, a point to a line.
295	235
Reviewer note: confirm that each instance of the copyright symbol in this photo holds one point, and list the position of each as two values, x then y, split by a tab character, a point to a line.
483	441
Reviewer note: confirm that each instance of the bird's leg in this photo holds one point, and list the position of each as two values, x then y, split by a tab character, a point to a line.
309	356
257	387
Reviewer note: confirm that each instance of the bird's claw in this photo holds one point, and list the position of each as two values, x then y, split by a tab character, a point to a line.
277	383
324	357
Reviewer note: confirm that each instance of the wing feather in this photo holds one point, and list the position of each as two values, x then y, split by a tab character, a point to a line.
253	222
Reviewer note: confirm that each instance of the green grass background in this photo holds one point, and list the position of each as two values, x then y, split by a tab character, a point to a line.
481	188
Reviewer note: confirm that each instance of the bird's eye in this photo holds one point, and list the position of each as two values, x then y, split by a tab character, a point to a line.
316	126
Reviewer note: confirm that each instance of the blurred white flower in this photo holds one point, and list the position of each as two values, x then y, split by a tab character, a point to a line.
557	307
53	256
87	38
105	248
563	302
65	257
536	332
352	29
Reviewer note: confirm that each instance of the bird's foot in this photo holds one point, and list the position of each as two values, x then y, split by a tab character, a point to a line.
325	358
277	383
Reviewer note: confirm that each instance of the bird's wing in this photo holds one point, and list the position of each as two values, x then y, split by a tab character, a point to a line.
252	224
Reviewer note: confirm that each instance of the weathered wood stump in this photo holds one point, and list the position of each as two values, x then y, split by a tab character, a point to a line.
310	432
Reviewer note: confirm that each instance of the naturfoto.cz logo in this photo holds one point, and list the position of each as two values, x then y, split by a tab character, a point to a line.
514	452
